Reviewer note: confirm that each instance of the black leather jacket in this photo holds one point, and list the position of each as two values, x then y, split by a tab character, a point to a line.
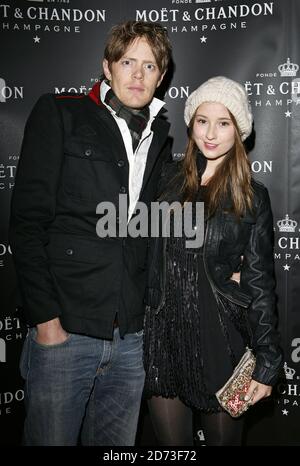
226	241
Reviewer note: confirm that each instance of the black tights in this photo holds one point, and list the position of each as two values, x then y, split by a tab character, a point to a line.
172	421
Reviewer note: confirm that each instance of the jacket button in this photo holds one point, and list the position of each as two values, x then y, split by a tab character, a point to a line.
69	252
123	190
121	163
88	152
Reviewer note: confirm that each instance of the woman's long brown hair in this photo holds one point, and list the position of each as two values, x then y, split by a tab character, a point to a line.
232	177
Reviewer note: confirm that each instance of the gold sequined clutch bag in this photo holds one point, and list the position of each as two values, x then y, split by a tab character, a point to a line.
231	395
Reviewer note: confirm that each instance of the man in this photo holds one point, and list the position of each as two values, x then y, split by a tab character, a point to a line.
82	295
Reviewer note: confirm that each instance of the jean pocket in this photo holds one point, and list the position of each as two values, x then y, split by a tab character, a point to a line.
33	335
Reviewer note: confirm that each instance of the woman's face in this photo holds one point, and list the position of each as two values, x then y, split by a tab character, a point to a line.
213	130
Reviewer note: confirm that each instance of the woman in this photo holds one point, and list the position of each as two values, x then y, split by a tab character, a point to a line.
199	319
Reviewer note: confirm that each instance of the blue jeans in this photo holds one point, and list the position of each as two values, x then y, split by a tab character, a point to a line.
84	388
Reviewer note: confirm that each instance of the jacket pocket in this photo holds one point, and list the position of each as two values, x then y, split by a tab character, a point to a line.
237	314
84	273
71	249
86	150
88	172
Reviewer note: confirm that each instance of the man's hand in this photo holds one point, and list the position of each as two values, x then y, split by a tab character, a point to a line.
51	333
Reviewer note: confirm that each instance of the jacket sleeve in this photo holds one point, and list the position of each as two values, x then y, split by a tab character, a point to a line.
33	209
257	278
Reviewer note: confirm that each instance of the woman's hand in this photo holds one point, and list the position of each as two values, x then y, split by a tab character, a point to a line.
257	391
236	276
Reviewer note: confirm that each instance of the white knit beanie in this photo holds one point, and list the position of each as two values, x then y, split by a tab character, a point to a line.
227	92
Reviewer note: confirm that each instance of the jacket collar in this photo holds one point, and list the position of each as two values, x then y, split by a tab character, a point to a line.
98	92
160	129
94	94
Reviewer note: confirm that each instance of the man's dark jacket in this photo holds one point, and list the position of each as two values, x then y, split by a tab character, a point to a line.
73	157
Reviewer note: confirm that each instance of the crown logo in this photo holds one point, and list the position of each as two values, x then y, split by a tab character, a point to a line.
289	372
286	224
288	68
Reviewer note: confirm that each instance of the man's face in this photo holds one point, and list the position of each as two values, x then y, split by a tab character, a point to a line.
135	76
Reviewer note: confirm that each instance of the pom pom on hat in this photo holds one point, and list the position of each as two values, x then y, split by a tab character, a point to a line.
227	92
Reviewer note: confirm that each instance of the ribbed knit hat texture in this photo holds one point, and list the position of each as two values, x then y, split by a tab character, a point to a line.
227	92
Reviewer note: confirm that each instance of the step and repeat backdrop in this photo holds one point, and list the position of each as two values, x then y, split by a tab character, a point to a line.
57	46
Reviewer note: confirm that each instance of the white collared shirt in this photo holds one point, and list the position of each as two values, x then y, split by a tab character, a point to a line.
137	160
